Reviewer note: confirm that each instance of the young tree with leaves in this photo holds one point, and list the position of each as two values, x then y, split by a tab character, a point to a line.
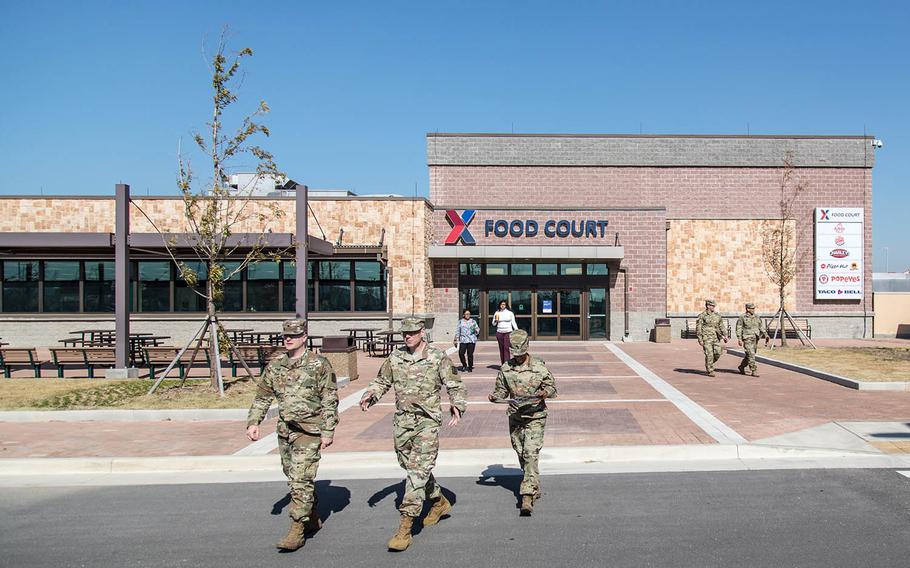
214	212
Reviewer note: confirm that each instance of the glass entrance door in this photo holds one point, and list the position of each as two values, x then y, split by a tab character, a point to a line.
597	313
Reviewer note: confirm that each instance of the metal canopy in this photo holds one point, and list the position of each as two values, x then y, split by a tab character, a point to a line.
526	252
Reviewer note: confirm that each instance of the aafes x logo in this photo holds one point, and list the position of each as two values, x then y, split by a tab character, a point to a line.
823	214
460	227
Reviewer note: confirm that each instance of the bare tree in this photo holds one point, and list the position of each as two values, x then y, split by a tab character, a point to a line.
780	244
219	219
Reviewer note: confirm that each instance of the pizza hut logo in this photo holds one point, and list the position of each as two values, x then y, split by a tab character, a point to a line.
840	253
839	240
824	265
839	228
823	278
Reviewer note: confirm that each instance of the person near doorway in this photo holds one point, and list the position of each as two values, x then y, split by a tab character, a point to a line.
466	333
504	320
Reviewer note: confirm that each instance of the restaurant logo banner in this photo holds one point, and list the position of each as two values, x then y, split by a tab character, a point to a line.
839	241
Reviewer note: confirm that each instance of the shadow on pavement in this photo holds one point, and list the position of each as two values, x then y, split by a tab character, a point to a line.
398	490
329	499
502	476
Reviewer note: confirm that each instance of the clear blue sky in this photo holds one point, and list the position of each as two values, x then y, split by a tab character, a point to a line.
99	92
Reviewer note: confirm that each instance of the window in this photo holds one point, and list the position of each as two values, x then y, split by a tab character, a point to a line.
98	289
573	269
522	269
598	269
262	286
469	269
61	286
20	286
154	286
289	286
232	297
369	288
186	299
546	269
497	269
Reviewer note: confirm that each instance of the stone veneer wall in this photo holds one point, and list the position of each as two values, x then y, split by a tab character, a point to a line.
405	220
719	259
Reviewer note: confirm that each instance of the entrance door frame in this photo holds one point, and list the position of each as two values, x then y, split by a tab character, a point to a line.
485	315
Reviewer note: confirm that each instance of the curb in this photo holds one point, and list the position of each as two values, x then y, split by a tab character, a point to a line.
450	462
830	377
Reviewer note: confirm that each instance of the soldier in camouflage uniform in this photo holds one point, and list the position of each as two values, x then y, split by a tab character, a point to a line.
521	378
710	331
304	386
418	372
748	331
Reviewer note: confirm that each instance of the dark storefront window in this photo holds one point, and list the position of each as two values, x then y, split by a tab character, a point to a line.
546	269
68	286
598	269
469	269
262	286
20	286
369	287
522	269
232	299
289	285
61	286
98	288
154	286
186	299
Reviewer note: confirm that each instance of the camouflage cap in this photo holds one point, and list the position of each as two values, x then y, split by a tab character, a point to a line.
750	306
294	327
518	342
411	325
710	302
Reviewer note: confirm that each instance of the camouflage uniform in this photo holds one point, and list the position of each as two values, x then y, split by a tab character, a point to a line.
526	422
749	330
710	331
418	379
307	396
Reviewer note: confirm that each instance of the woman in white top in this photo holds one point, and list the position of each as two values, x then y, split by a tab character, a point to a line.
504	320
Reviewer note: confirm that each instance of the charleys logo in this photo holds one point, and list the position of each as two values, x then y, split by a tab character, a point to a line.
840	253
839	240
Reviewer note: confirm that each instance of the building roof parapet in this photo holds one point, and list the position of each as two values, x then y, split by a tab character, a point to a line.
648	150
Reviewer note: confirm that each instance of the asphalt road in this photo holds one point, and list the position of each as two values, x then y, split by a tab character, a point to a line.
804	518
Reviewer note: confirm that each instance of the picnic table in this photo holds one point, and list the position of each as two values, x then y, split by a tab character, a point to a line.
253	337
236	334
385	343
362	341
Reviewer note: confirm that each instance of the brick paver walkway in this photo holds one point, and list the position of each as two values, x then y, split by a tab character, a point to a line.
602	401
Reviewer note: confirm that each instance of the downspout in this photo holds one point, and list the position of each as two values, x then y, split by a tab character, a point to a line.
625	301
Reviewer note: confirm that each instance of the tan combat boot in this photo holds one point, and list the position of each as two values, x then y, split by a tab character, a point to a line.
402	539
294	539
440	507
314	523
527	505
754	373
711	374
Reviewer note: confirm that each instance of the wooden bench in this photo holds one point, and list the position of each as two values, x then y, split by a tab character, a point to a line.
19	357
801	324
63	356
252	356
161	356
691	324
99	357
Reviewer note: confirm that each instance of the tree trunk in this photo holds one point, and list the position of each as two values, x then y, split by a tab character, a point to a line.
783	322
213	336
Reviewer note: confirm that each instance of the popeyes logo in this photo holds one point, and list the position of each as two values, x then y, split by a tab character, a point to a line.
823	278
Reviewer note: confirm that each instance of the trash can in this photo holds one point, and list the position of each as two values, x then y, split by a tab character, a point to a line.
661	330
342	354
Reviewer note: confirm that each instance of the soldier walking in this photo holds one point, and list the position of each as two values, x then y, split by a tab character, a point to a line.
304	386
748	331
417	372
527	382
710	332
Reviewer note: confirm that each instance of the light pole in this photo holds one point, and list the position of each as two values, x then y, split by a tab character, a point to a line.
886	259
